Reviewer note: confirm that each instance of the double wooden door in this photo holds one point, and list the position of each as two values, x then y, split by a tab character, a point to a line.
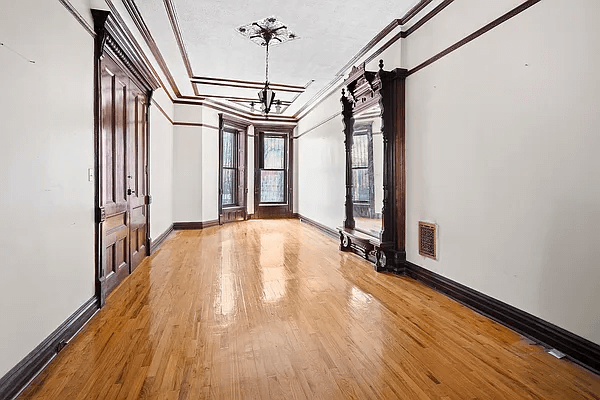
123	179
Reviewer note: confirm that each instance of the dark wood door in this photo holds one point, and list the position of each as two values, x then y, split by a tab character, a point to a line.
123	174
273	172
232	174
136	177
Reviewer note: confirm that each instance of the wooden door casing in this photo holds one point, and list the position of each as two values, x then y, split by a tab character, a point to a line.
283	210
123	165
238	211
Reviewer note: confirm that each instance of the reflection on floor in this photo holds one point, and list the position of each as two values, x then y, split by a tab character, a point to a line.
272	309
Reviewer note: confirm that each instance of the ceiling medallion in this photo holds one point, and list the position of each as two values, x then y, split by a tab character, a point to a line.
267	32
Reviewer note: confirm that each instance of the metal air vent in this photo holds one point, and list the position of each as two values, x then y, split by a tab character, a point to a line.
427	239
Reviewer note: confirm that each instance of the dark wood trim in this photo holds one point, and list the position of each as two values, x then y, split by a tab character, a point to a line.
178	123
578	349
178	226
254	85
131	39
414	11
67	4
236	112
148	198
172	15
99	23
162	111
427	17
326	120
324	229
217	81
19	377
241	127
512	13
155	243
232	98
267	211
139	22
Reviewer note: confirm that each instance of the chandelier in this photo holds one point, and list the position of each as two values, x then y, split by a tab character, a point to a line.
266	32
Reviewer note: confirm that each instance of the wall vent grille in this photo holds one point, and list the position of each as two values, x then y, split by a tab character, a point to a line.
427	239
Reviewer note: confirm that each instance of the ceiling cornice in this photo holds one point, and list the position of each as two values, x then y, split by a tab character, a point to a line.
135	15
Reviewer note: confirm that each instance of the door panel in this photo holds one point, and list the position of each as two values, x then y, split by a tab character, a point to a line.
137	178
115	228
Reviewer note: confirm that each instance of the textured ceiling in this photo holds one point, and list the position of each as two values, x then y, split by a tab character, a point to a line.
331	33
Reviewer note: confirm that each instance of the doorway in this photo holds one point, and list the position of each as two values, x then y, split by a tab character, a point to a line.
273	186
233	188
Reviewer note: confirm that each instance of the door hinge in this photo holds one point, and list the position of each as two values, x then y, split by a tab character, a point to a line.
148	200
100	215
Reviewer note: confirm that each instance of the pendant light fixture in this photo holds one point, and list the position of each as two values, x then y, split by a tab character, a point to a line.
266	32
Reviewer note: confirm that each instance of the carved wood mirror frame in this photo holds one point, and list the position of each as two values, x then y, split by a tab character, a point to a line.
366	89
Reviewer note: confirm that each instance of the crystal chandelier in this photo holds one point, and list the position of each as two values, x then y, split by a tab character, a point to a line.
266	32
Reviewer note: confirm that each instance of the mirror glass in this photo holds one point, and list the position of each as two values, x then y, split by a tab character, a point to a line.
367	171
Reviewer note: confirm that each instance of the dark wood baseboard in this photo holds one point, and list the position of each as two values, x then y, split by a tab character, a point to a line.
325	229
21	375
578	349
178	226
155	243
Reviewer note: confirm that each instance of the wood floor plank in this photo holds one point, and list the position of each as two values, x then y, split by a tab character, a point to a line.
272	309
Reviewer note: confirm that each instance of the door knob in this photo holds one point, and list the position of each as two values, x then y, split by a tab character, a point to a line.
130	192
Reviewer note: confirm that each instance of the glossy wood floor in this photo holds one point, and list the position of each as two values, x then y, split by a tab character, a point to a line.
272	309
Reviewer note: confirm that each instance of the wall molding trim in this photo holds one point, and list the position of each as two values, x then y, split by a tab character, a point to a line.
19	377
78	17
498	21
578	349
324	229
155	243
180	226
163	112
197	124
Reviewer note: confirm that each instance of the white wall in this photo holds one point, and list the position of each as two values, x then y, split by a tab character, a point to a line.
320	164
502	153
161	167
47	202
502	143
210	165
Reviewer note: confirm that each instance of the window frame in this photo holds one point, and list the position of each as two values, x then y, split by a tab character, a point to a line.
285	168
235	153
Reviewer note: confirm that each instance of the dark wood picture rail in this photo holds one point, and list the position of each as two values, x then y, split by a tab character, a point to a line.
132	40
426	18
512	13
162	111
251	85
135	15
172	15
67	4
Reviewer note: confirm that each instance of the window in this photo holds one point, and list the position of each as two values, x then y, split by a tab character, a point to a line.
362	165
273	172
229	157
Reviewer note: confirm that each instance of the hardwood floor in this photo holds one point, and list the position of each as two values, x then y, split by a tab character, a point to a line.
272	309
